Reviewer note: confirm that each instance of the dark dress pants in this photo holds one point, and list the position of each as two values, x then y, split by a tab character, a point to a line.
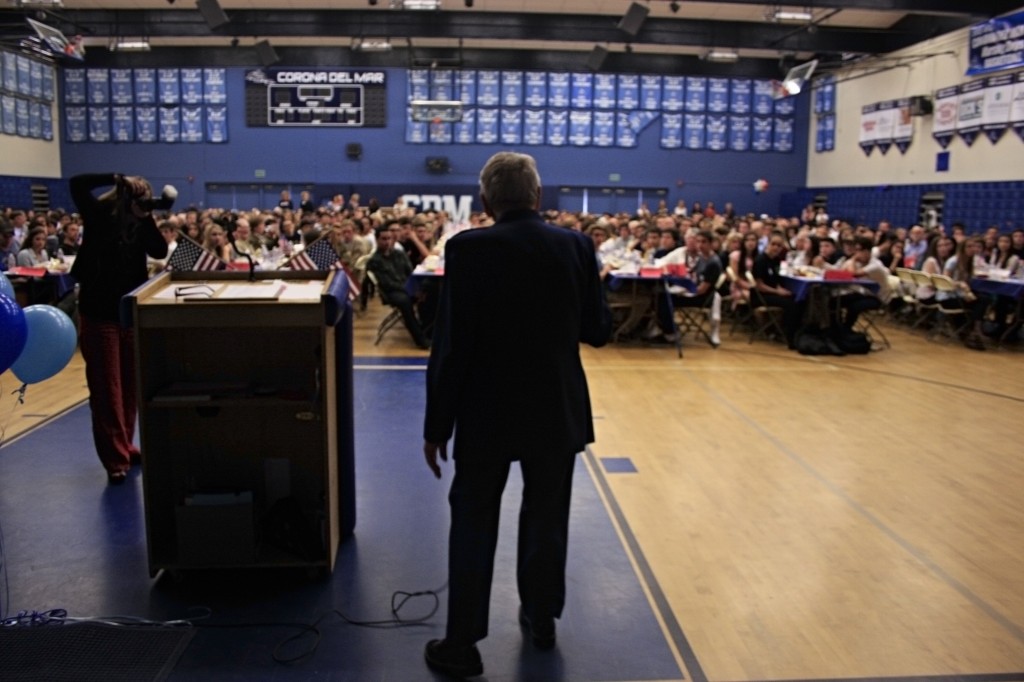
475	500
107	349
401	300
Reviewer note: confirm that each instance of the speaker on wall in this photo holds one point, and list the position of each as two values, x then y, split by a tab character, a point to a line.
633	19
354	150
596	58
438	164
266	54
212	13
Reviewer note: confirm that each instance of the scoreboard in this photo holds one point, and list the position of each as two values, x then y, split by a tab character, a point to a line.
315	98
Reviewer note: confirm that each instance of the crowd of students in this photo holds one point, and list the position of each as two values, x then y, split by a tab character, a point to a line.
706	241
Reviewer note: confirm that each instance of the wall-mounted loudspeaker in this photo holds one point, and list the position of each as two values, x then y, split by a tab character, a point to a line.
212	13
354	150
596	58
266	54
438	164
921	105
633	19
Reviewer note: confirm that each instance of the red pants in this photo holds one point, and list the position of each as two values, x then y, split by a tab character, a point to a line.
107	348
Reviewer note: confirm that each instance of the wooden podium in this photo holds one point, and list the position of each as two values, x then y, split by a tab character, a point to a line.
245	415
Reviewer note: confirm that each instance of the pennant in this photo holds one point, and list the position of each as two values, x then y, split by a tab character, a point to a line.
189	255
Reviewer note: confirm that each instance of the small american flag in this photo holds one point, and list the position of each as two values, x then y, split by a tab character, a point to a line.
320	255
189	255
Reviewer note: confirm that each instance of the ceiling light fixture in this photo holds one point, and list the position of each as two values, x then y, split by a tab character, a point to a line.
416	4
129	45
372	45
792	15
721	56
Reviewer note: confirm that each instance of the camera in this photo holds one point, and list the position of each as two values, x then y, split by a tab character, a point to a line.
162	203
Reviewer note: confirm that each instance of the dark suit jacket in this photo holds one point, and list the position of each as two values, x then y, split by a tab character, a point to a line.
505	373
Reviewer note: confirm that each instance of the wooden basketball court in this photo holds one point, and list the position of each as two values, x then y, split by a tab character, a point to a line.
790	517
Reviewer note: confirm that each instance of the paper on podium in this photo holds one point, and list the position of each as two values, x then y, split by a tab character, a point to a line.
268	291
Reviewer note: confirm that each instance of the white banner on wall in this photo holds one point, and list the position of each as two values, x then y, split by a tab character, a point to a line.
868	128
995	115
944	121
1017	106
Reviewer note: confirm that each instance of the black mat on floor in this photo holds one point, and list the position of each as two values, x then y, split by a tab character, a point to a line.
90	651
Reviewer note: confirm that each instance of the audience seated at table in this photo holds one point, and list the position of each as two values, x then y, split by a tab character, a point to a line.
766	270
961	269
33	252
706	270
856	299
741	262
392	268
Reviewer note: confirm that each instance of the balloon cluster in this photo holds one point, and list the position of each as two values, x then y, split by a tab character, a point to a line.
760	185
35	343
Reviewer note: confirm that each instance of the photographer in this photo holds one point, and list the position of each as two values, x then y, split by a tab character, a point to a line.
119	232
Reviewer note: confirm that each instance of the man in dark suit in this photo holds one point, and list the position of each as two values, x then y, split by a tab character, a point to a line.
505	375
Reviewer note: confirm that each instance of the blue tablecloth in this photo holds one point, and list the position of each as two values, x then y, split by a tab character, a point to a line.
1011	288
802	286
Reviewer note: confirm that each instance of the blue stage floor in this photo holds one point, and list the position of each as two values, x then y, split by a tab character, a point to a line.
72	542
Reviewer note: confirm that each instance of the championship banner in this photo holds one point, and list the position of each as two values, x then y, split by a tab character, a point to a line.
969	112
536	89
558	128
146	124
604	128
739	133
145	85
488	88
782	135
511	126
903	125
21	118
487	126
121	90
694	131
169	124
696	94
580	128
533	126
415	131
467	87
35	120
717	132
191	86
419	84
944	121
718	95
98	84
442	84
122	121
217	124
997	45
465	130
1017	106
625	136
168	83
74	83
868	128
215	86
740	92
99	124
995	116
75	119
650	92
558	90
672	89
46	121
886	120
628	91
582	91
671	131
511	88
604	91
762	134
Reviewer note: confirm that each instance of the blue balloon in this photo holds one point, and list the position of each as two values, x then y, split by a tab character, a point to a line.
6	288
50	344
13	331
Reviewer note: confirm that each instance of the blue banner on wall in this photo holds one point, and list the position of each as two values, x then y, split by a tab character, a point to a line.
465	130
145	86
629	91
558	128
75	122
98	84
99	124
582	91
122	123
997	44
146	124
671	131
488	88
558	90
217	124
533	127
511	126
512	88
487	126
604	91
536	89
650	92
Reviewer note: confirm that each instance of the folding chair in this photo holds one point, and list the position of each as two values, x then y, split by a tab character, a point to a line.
925	311
770	315
948	315
867	323
908	293
393	317
697	319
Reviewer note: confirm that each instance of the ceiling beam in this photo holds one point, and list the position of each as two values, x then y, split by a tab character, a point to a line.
586	29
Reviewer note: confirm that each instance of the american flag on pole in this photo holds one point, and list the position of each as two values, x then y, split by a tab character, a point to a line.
189	255
320	255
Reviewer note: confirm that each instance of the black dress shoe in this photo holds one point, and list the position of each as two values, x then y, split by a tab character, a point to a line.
542	631
455	660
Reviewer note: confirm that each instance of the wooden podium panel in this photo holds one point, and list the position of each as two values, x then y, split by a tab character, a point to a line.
241	402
